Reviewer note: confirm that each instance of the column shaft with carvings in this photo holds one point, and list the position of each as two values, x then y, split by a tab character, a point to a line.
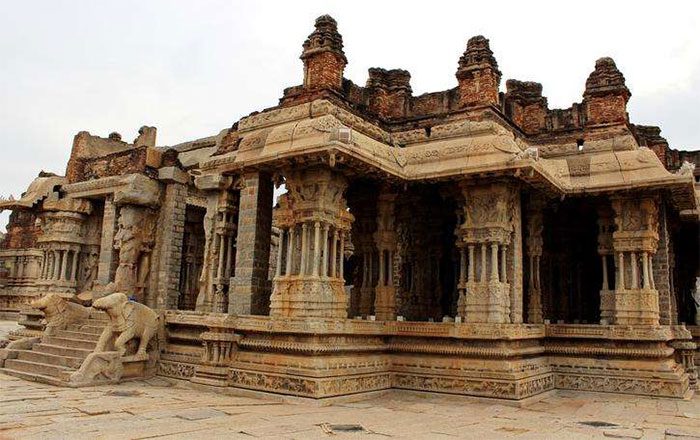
314	203
385	240
220	242
487	232
533	245
606	227
635	300
134	240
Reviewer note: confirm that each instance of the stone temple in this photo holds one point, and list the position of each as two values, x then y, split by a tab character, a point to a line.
469	241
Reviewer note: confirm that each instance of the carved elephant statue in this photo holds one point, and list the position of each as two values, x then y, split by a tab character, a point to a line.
127	320
59	312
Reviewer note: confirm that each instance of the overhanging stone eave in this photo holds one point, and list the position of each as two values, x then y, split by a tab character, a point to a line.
681	190
528	172
332	153
357	161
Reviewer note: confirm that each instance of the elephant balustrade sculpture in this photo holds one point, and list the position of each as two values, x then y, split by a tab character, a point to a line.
127	320
110	362
59	312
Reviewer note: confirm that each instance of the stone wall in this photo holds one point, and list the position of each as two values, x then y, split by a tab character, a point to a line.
22	231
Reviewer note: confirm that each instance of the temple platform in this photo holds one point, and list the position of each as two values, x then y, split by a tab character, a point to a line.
323	358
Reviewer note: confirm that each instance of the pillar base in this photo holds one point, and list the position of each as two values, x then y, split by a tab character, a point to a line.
486	302
385	304
307	296
366	300
629	307
534	307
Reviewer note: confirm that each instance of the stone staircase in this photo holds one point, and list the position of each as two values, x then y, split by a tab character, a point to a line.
55	358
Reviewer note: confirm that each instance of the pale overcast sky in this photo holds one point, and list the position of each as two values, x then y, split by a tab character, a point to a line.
191	68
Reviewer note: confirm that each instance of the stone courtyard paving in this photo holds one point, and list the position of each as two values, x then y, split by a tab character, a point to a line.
161	408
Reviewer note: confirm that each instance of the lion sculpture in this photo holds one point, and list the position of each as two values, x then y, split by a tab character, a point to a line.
127	320
59	312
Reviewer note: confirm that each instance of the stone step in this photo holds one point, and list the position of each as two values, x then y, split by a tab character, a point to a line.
69	342
86	328
61	350
91	331
94	314
83	336
50	359
34	377
38	368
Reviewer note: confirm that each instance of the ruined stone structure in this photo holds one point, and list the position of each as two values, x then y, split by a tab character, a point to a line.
468	241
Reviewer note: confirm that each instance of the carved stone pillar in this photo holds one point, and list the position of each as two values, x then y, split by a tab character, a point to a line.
385	239
635	300
109	224
220	240
462	274
225	239
314	202
606	227
534	252
367	289
488	225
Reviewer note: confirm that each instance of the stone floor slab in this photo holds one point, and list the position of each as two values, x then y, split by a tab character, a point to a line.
167	409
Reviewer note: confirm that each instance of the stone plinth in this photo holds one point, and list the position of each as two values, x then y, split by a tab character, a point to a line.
314	357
